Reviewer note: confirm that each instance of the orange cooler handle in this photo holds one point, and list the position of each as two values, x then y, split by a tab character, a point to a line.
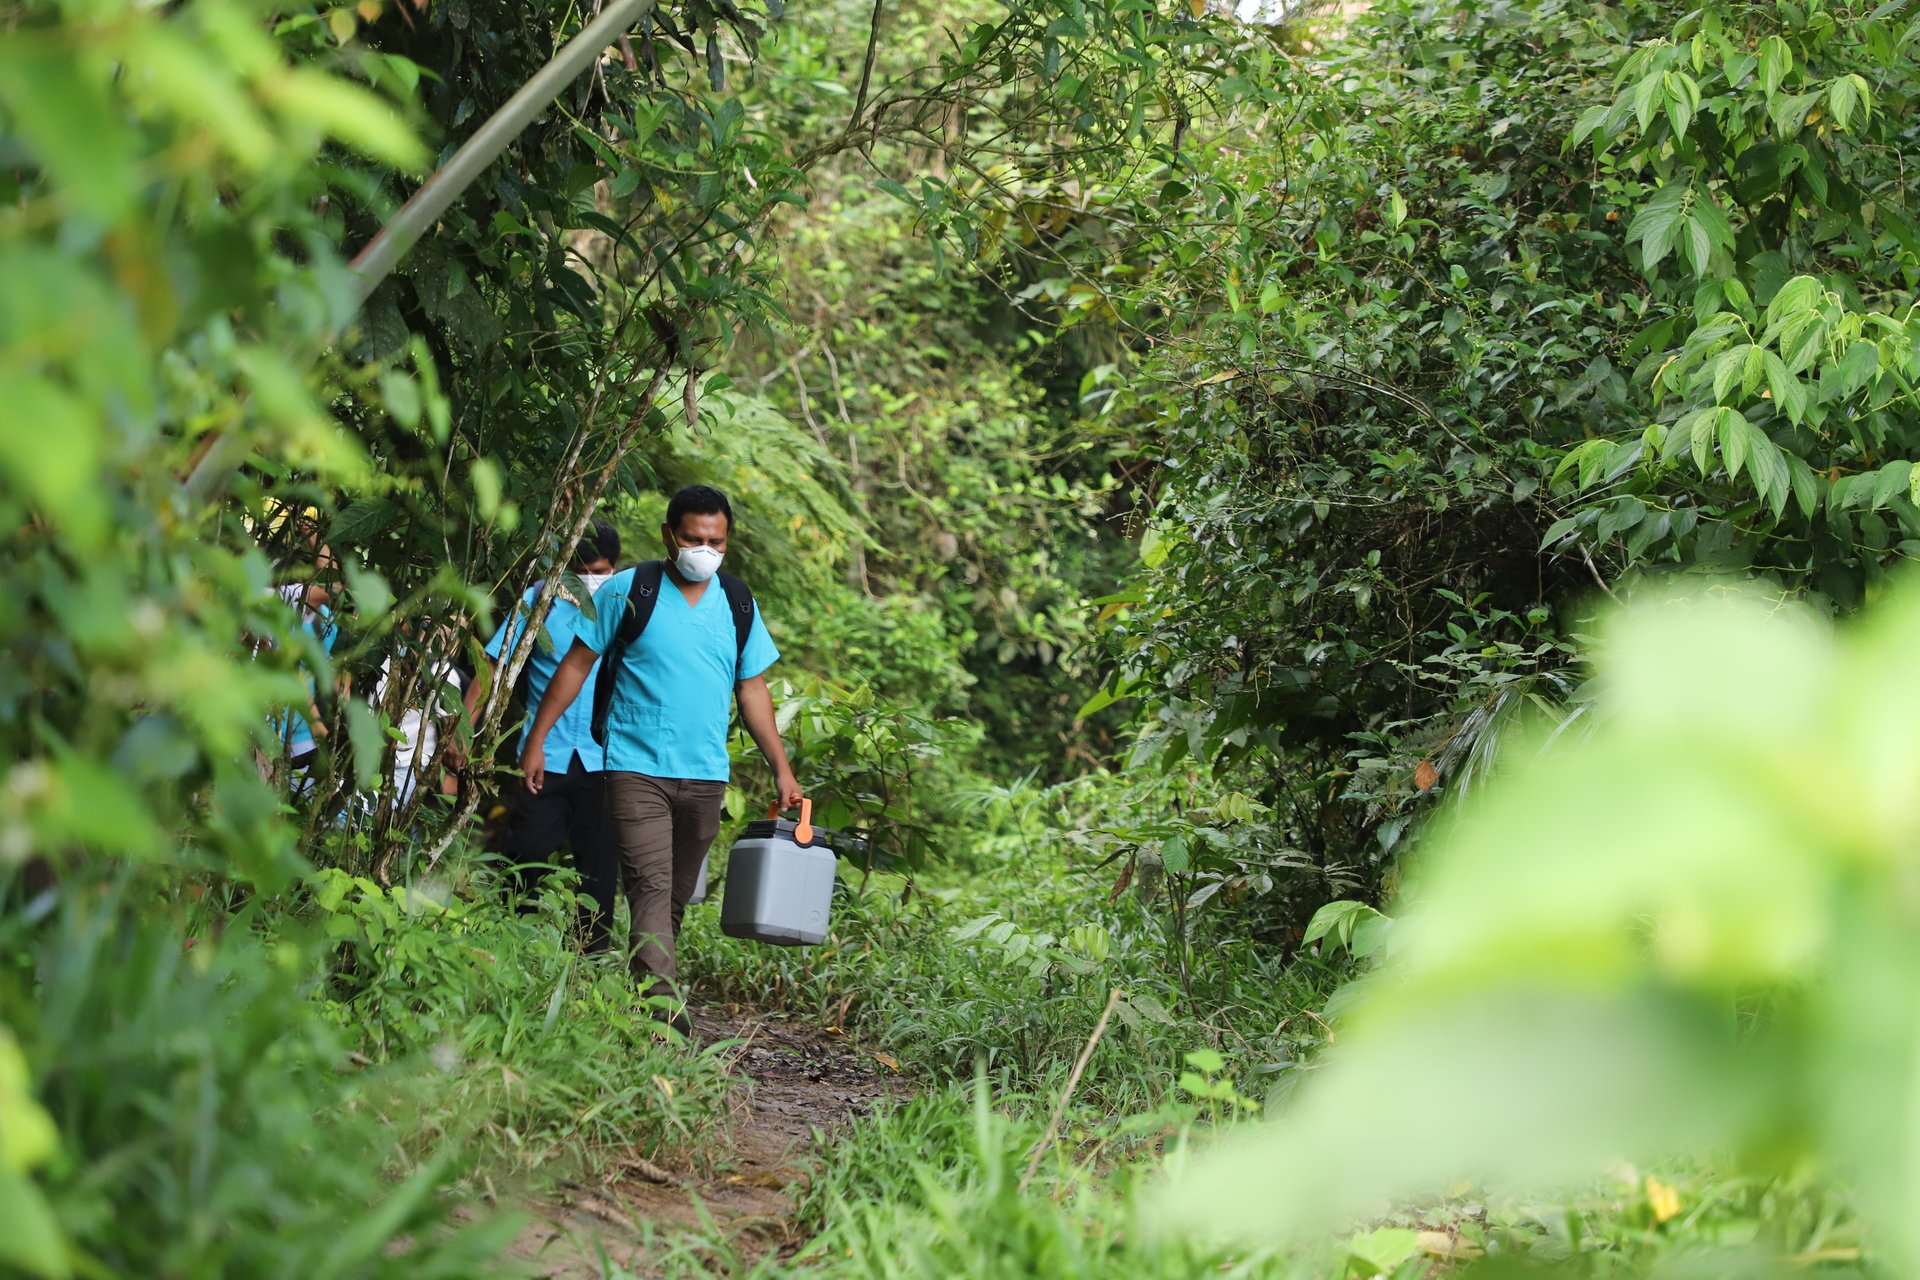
803	832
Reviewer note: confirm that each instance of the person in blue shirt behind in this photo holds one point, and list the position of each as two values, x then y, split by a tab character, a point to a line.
568	805
666	731
311	570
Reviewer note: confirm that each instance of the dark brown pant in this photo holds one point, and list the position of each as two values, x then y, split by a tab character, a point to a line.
664	827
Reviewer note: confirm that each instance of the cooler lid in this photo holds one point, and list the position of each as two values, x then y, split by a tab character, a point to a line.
782	828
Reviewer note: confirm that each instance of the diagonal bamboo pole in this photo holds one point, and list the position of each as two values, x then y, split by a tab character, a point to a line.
375	262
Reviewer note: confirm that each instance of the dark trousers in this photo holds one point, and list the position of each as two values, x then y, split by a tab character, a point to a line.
664	827
571	809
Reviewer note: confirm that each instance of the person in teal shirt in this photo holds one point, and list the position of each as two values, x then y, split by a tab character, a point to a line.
571	808
298	730
666	733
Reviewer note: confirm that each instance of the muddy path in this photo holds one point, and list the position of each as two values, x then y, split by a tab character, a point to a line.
793	1078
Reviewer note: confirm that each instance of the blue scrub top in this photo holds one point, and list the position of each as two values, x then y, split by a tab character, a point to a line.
572	733
673	694
292	727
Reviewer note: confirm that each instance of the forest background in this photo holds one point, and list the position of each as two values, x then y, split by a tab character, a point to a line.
1198	450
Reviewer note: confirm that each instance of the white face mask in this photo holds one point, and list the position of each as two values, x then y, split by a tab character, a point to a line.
590	582
697	564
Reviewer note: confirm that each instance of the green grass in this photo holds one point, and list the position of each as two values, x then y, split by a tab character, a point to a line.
501	1037
1021	1002
213	1120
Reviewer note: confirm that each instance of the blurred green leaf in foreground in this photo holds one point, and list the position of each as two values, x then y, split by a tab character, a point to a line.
1694	932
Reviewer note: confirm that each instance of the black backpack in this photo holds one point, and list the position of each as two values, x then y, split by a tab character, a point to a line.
641	598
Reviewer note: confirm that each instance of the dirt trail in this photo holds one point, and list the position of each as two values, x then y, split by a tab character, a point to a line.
793	1077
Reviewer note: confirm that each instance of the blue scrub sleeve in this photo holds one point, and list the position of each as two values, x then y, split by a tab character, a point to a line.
760	652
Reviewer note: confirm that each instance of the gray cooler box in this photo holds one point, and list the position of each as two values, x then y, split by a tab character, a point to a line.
778	890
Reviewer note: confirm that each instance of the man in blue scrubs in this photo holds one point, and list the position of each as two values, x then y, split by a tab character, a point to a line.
666	736
571	807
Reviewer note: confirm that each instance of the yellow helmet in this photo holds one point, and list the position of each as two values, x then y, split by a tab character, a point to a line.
277	513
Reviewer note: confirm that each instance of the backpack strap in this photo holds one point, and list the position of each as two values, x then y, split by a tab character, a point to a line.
740	605
643	593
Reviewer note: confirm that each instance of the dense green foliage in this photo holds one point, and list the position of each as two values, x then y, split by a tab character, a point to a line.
1176	457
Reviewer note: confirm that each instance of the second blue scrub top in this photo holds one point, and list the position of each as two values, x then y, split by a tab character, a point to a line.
572	733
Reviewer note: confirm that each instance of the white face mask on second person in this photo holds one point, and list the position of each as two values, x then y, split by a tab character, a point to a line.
593	581
697	564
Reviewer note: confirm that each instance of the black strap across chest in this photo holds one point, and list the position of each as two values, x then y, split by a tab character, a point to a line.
642	596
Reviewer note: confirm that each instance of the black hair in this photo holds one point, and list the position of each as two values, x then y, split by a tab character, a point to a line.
698	500
601	543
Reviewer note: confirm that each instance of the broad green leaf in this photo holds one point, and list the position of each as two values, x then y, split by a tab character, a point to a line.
1855	370
1698	245
1753	370
1891	481
51	454
1662	442
1727	368
348	112
1776	61
1657	222
1574	462
372	597
88	806
1207	1060
1799	295
1734	440
1646	99
1708	215
368	741
1701	438
1789	115
203	89
63	106
1149	1007
1768	467
487	486
361	522
1806	486
30	1236
1589	124
1595	457
1336	922
1679	109
1788	392
1843	95
28	1138
1382	1250
1370	934
1117	690
1620	516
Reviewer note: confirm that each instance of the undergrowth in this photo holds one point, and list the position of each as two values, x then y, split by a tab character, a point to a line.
307	1084
1005	962
537	1059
